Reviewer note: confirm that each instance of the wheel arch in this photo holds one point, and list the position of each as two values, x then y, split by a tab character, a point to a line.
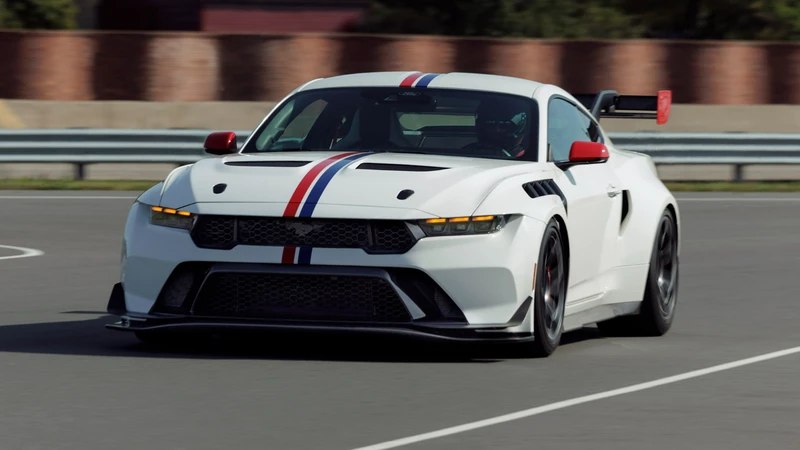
676	221
562	228
648	199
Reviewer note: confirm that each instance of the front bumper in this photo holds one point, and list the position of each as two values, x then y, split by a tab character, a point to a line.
475	287
133	322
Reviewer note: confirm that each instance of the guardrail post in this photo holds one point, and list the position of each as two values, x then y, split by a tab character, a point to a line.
79	172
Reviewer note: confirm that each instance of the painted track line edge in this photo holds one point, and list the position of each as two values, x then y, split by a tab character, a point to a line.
578	401
24	252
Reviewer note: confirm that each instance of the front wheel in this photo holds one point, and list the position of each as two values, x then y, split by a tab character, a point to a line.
661	288
550	294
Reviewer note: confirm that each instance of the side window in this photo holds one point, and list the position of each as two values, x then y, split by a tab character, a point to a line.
567	124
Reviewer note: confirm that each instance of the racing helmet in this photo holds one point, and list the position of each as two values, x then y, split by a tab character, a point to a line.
498	124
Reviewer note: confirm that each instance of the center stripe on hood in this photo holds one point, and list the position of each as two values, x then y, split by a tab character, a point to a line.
318	188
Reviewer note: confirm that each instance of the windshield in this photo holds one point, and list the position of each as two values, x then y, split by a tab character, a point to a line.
431	121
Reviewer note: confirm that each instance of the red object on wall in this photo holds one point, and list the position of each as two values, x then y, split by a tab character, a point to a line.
280	16
256	21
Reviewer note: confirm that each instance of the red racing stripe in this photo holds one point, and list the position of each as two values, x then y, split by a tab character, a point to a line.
409	81
305	183
300	192
288	255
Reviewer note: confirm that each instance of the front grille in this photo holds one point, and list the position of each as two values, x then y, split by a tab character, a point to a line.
296	296
226	232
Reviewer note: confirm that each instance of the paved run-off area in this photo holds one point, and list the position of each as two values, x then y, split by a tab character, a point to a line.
67	383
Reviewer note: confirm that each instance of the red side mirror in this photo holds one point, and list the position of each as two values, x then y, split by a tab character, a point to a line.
588	152
221	143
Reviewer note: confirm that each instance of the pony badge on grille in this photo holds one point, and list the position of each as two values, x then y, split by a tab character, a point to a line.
302	229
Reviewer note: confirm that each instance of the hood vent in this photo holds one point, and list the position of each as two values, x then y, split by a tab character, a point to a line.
541	188
398	167
267	163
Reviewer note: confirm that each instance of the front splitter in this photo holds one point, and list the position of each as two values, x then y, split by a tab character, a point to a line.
446	332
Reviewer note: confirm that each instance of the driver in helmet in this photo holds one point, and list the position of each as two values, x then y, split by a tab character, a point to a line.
500	129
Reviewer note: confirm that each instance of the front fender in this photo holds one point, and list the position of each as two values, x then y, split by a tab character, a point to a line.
155	195
152	196
177	190
509	197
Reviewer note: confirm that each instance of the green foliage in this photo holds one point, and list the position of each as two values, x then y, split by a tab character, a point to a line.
38	14
590	19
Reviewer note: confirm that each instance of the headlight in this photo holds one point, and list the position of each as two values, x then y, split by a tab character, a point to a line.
457	226
168	217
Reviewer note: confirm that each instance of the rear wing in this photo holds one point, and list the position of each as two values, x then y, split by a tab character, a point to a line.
611	104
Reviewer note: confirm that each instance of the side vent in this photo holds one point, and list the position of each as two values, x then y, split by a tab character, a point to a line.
267	163
626	206
398	167
541	188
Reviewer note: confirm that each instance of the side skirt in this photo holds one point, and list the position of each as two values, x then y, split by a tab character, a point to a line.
600	313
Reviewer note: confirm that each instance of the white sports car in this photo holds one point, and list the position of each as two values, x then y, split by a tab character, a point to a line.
455	206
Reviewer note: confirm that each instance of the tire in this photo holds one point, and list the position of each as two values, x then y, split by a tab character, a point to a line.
550	293
661	289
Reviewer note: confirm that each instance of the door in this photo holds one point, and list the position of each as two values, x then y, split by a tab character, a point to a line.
594	200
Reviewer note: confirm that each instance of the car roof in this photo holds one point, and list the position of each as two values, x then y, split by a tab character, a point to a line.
453	80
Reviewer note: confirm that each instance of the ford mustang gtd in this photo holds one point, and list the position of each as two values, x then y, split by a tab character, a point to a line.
454	206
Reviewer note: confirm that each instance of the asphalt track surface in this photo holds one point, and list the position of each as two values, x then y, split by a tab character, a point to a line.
68	383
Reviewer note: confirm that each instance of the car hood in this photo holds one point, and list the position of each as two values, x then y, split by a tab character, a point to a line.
440	185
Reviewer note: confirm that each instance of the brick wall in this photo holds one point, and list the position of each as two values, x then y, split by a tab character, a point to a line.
207	67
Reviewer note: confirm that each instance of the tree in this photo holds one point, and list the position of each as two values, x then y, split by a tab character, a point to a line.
496	18
608	19
38	14
442	17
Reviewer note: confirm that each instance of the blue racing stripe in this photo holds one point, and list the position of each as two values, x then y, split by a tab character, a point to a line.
322	183
426	80
304	256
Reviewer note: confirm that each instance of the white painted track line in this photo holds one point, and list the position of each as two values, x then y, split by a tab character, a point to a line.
578	401
24	252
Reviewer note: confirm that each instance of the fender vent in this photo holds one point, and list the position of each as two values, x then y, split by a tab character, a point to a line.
267	163
398	167
541	188
625	206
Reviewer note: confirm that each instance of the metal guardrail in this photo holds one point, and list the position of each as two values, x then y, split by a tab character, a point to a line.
89	146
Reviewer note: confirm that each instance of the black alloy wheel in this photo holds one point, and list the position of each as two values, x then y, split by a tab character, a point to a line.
550	292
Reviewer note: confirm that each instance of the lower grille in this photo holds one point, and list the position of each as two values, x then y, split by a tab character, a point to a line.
307	297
